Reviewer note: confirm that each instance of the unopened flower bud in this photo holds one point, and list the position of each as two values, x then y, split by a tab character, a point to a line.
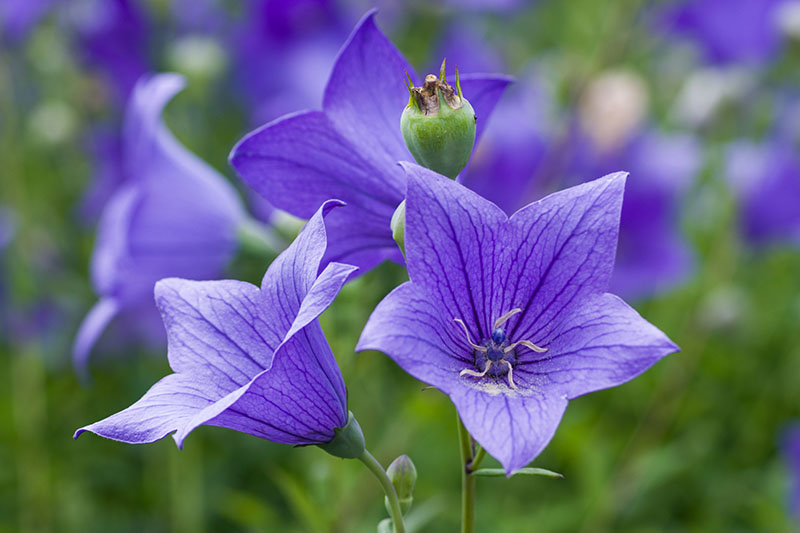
398	226
438	125
403	474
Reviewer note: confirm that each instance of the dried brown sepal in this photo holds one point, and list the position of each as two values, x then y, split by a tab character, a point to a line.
427	97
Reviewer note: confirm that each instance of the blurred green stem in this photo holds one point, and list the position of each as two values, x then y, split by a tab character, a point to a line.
259	239
394	504
468	459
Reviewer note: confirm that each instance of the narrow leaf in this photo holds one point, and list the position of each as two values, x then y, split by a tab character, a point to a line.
529	471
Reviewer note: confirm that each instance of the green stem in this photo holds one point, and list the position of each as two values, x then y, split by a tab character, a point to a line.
477	460
259	239
394	503
467	480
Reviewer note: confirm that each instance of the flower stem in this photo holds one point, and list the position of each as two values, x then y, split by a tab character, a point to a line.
467	479
394	503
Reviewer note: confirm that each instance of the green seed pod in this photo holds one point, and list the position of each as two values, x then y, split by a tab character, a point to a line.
403	474
438	125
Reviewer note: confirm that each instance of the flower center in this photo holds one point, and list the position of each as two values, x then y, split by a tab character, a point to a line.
496	357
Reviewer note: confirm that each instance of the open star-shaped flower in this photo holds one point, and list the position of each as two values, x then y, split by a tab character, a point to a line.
509	316
349	149
247	358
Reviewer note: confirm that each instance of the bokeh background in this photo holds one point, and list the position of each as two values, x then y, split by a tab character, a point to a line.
697	99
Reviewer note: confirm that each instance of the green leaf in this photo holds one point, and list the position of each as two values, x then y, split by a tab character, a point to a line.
529	471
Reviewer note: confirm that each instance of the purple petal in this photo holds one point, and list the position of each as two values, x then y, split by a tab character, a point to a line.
356	243
409	328
296	269
300	400
562	250
323	165
175	216
367	92
451	239
483	92
360	234
93	325
601	343
513	429
216	329
110	249
157	414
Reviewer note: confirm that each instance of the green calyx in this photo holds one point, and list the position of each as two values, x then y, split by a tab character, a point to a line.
438	125
348	442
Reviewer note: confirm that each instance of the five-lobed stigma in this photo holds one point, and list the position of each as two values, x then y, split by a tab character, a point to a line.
495	355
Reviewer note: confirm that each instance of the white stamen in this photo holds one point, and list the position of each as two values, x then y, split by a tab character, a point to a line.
481	349
510	374
470	372
527	344
503	319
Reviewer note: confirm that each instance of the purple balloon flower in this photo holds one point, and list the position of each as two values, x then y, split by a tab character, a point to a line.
173	216
349	149
766	179
509	316
728	31
249	359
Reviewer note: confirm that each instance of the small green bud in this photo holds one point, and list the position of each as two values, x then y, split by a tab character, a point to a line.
438	125
398	226
348	442
403	474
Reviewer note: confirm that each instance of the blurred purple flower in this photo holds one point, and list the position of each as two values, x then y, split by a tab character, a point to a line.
173	216
281	52
105	148
728	31
464	45
249	359
350	149
791	451
509	316
8	227
506	166
113	38
652	255
766	179
18	17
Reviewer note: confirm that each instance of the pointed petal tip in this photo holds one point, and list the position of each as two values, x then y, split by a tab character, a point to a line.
331	204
